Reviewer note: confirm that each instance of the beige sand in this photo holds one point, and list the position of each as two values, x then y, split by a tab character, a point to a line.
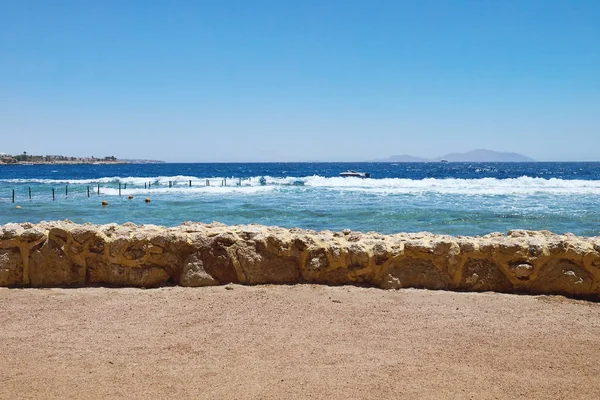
303	341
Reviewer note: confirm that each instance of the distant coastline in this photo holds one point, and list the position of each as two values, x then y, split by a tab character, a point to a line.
27	159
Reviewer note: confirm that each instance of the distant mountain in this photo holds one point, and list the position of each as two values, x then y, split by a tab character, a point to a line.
479	155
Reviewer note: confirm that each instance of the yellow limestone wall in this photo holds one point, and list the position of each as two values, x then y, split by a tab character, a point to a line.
65	254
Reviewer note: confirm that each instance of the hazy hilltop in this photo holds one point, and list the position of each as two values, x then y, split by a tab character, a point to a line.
484	155
479	155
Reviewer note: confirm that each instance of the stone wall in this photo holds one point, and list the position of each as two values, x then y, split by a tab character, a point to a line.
65	254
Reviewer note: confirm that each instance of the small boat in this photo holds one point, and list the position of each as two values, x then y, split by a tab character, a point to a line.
355	174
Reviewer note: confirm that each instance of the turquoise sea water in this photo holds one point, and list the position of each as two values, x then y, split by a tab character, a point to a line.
450	198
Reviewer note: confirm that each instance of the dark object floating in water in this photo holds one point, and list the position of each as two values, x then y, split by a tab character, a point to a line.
262	181
356	174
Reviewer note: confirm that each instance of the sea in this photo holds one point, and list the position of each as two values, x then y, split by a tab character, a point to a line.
444	198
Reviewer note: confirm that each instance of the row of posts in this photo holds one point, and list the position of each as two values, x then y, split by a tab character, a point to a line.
146	186
66	192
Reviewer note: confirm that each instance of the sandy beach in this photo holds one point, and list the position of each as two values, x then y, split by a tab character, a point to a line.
300	341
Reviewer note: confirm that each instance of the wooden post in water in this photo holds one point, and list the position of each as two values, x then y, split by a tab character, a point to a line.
240	181
98	189
119	188
169	183
13	196
124	186
29	192
225	182
66	190
207	182
88	190
52	193
149	185
190	183
145	185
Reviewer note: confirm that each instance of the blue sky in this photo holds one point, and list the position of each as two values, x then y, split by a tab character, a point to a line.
299	80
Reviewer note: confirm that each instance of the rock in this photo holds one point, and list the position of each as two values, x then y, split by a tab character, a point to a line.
51	266
562	277
11	267
10	231
33	235
195	275
481	275
416	273
61	253
521	270
119	275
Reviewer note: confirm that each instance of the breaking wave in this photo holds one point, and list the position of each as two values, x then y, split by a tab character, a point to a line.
483	186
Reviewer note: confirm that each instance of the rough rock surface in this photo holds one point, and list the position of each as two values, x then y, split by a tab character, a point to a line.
66	254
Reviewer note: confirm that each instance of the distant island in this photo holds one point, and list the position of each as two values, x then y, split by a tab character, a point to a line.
479	155
28	159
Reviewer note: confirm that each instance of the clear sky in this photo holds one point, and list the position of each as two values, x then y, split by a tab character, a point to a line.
299	80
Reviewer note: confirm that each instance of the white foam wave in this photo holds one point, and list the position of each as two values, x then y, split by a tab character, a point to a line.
134	181
484	186
186	191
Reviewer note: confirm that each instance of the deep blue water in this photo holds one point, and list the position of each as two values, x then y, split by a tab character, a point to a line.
452	198
561	170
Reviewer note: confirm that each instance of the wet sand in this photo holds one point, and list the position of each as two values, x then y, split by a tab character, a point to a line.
301	341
